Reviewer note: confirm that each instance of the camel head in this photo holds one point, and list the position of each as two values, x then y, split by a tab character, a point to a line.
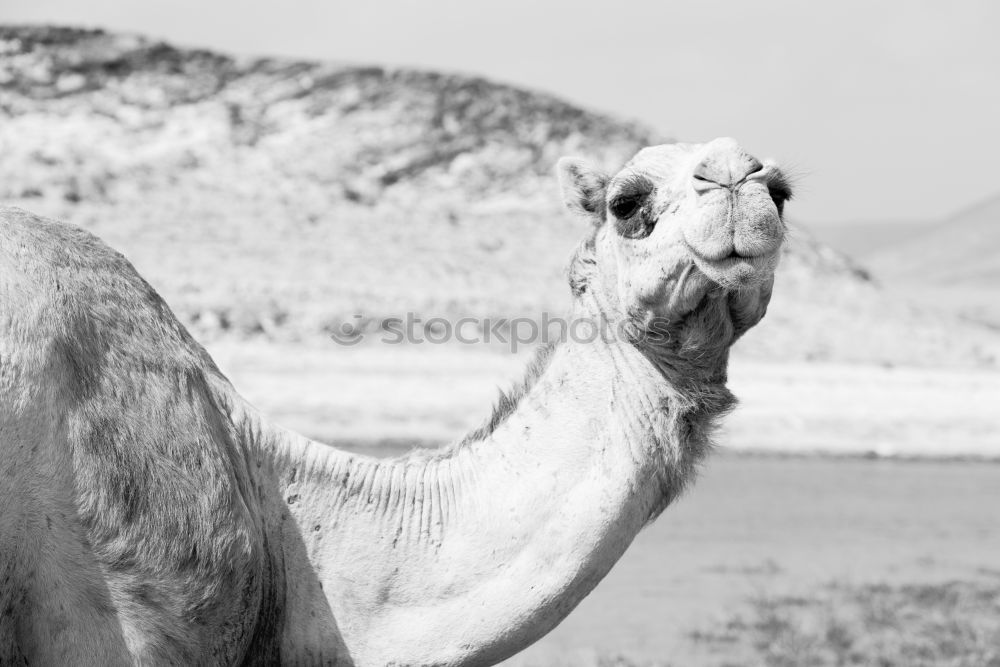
686	239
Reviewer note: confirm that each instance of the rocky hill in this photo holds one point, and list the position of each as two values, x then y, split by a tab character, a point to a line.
275	198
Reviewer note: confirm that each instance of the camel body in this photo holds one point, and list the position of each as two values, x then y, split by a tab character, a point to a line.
149	515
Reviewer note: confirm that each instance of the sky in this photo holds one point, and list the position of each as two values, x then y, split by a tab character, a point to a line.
882	110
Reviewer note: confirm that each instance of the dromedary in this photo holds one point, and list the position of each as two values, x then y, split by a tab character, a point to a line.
149	515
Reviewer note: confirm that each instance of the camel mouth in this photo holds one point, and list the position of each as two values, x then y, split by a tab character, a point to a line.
736	271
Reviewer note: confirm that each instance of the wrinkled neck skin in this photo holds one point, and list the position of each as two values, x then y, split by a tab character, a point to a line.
469	555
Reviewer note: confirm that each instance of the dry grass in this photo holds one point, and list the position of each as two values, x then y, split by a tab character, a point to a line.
954	624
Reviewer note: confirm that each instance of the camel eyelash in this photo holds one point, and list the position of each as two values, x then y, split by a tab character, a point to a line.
633	185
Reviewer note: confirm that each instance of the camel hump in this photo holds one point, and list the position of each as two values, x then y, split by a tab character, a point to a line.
65	268
65	290
40	246
115	422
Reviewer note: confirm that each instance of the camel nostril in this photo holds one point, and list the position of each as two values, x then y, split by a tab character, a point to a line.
704	183
724	165
709	172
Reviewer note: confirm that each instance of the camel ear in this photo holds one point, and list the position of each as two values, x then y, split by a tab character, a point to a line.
583	188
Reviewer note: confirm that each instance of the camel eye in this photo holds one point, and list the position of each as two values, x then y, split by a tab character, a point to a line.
625	206
780	190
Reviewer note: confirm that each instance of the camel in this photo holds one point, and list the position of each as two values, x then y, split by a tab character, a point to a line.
149	515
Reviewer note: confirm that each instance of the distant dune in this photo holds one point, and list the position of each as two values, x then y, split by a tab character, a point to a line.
962	250
954	264
864	239
276	199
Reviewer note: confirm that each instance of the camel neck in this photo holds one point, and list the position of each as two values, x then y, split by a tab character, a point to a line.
492	542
